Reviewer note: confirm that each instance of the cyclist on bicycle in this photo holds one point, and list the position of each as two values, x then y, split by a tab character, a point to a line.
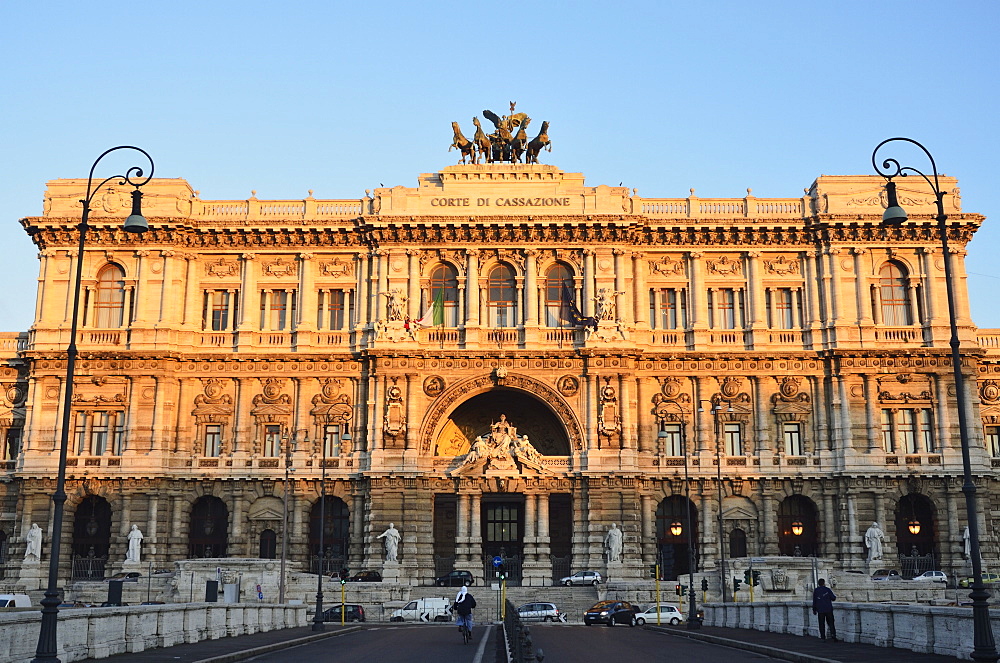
464	603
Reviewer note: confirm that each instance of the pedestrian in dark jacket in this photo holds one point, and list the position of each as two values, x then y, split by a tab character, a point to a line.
823	598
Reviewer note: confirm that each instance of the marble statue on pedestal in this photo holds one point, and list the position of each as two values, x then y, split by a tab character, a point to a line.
33	553
392	537
874	538
613	543
134	544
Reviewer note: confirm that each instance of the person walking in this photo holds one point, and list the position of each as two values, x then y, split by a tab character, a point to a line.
823	598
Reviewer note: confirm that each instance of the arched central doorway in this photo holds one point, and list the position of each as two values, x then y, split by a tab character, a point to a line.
676	536
91	538
208	536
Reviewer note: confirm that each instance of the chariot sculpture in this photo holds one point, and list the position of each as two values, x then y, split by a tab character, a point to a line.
507	144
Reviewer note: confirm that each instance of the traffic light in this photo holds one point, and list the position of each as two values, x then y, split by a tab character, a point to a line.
746	576
652	571
344	573
736	584
502	571
704	584
677	589
755	578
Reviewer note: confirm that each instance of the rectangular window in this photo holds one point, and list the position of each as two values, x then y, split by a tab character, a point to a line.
726	308
993	440
782	308
332	313
12	447
80	433
672	441
331	440
277	309
272	440
733	434
118	433
792	436
668	309
213	440
220	308
906	431
926	430
888	439
99	434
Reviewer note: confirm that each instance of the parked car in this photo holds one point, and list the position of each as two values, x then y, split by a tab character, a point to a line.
611	613
455	579
352	613
669	614
581	578
429	609
886	574
125	576
366	576
932	576
540	612
988	578
15	601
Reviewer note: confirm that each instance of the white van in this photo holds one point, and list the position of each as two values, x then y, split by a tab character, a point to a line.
15	601
424	610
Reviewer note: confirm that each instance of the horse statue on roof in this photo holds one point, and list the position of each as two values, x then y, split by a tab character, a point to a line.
462	144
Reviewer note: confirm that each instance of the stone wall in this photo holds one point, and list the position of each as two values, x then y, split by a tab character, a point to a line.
98	632
919	628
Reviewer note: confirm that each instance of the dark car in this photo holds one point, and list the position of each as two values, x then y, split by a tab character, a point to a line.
611	613
366	576
352	613
129	576
455	579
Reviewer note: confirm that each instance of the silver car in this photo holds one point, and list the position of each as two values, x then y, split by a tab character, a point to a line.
540	612
582	578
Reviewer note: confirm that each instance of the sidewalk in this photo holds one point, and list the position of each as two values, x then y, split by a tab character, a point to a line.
802	649
224	650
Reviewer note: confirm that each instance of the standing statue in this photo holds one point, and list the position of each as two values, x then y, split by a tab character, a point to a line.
392	537
34	539
874	538
613	543
397	298
967	543
134	544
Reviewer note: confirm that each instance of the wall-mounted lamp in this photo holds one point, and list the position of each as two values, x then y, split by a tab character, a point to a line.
676	528
797	528
913	526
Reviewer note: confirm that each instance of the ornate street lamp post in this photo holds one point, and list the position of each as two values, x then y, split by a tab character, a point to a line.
984	646
135	223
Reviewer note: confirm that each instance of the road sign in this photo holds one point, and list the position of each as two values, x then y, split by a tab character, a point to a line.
260	596
498	560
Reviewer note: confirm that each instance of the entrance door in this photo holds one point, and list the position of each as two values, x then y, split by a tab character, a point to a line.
503	535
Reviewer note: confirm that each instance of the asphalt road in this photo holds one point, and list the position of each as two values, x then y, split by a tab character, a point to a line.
561	643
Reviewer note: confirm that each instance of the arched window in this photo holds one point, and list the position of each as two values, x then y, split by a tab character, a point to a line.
737	543
208	535
336	533
797	527
109	298
268	544
558	295
91	538
502	297
443	292
893	283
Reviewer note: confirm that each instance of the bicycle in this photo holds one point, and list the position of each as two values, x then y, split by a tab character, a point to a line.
466	633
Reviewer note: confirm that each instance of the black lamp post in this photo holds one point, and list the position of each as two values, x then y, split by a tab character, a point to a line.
984	646
675	528
135	223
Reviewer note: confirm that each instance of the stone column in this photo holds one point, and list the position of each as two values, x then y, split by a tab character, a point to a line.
307	301
531	287
192	293
140	305
697	312
756	291
625	313
411	413
475	549
361	303
381	302
249	297
413	284
472	289
166	313
588	282
626	408
640	293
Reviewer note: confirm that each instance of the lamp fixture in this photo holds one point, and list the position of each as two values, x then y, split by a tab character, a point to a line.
797	528
913	526
676	528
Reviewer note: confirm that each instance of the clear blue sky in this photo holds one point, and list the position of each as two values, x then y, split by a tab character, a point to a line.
342	96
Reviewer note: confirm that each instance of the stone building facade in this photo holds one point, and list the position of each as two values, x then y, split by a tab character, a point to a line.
501	361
